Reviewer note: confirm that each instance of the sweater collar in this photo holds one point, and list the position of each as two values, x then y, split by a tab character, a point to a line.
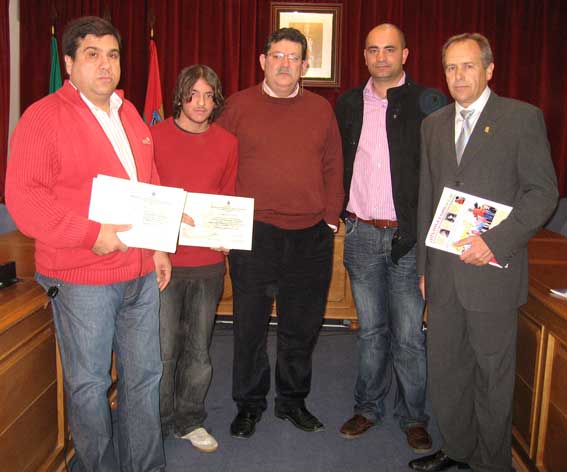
268	91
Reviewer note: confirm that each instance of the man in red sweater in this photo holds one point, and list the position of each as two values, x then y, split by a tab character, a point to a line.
104	295
290	162
194	153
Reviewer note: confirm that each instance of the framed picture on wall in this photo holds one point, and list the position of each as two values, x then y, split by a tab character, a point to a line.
321	25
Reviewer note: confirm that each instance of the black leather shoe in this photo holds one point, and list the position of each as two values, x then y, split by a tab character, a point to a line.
436	462
244	424
301	418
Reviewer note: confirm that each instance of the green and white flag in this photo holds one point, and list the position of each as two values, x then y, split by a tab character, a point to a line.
55	76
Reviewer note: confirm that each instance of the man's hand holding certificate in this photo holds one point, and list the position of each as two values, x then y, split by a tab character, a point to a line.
155	214
219	221
153	211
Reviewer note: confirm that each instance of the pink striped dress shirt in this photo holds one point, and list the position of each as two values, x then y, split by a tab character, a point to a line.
371	186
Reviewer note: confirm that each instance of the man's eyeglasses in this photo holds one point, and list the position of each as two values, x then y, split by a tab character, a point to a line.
280	56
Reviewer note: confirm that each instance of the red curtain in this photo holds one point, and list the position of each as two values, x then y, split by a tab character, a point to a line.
4	90
527	38
36	18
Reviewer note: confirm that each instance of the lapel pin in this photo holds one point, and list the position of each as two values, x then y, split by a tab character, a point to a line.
487	129
147	140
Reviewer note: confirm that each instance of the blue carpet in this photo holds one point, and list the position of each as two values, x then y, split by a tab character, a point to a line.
277	445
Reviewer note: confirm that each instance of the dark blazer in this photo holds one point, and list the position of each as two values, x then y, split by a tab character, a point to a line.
506	160
408	104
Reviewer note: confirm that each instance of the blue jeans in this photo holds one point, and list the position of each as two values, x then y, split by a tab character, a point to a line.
187	319
90	322
390	312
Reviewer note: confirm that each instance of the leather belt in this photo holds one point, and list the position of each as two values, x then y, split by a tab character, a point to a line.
376	223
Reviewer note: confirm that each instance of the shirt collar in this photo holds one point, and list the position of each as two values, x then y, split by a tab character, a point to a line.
369	90
115	101
268	91
477	106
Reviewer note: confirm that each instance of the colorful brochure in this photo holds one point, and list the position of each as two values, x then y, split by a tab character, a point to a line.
460	215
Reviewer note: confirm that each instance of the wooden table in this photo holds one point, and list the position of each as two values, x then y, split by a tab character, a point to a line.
32	396
540	400
33	432
14	246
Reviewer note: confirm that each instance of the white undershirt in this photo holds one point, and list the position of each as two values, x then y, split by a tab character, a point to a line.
112	127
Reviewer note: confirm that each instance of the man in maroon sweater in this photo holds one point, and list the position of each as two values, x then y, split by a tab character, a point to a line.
290	162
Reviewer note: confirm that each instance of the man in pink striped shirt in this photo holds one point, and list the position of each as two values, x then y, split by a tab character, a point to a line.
380	130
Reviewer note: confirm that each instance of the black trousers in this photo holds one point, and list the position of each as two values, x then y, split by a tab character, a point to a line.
294	267
471	367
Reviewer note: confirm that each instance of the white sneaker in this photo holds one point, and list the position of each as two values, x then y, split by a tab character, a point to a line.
202	440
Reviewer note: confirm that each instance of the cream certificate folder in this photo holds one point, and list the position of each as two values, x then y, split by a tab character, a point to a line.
220	221
153	211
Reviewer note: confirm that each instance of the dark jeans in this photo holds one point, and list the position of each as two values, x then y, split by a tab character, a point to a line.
391	343
90	322
187	317
294	267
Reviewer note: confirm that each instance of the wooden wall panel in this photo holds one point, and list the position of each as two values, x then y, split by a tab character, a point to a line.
11	338
340	304
554	422
32	417
528	358
26	444
26	375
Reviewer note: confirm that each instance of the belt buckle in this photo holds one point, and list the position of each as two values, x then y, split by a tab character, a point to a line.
388	224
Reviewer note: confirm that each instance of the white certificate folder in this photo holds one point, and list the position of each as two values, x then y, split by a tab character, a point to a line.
153	211
220	221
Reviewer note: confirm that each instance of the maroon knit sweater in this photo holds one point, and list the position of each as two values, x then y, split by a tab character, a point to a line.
290	158
203	163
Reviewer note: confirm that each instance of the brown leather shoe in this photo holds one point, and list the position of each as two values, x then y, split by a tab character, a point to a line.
355	427
418	439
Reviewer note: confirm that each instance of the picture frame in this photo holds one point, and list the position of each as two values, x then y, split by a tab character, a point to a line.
321	24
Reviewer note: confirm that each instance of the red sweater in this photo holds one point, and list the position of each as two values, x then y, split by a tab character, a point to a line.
203	163
290	157
57	148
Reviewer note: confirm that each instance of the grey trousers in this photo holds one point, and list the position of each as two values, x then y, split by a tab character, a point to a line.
471	365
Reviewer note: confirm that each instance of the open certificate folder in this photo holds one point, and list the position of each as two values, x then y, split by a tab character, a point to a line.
220	221
153	211
460	215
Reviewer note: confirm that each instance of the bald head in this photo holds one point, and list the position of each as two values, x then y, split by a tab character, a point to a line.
384	27
385	55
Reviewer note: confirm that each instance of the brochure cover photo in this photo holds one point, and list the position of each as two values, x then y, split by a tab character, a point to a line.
460	215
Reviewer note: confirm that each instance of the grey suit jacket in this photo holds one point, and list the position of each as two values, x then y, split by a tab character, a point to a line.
506	160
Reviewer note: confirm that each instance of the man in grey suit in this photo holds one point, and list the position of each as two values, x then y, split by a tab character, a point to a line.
473	306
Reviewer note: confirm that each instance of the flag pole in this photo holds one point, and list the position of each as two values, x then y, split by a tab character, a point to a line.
153	107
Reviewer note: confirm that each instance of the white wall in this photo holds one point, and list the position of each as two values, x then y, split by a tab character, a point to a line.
14	13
